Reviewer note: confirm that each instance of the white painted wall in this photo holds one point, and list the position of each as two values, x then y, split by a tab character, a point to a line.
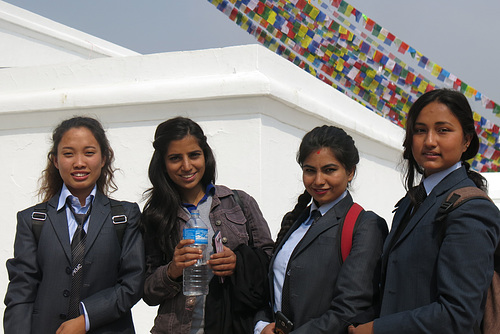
27	39
253	105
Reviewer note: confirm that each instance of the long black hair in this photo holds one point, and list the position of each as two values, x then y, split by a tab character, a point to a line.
457	103
342	147
159	218
51	181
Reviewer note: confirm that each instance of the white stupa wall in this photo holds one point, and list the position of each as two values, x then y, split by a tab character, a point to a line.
253	105
28	39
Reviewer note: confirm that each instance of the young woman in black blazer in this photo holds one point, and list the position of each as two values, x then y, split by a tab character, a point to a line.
435	275
91	286
310	284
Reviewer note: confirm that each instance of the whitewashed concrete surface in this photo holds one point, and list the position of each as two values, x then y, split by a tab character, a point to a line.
253	105
28	39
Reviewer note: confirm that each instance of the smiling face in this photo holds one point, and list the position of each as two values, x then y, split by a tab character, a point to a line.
185	164
438	139
79	161
324	177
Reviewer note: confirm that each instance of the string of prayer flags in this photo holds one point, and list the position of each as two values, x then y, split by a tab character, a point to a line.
344	48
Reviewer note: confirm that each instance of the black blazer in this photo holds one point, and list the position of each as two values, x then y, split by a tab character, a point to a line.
325	294
37	296
436	276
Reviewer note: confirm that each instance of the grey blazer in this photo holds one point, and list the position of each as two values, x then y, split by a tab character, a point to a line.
325	294
436	276
37	297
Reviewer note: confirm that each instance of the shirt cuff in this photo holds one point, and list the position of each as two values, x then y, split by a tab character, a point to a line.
83	311
259	326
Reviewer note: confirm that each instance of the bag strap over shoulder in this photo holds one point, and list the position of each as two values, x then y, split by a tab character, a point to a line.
118	218
453	200
348	229
458	197
38	217
238	200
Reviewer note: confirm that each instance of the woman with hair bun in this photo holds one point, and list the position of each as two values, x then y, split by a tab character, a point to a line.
311	284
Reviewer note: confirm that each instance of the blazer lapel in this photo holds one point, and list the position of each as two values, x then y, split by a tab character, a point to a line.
302	217
328	220
401	207
59	223
424	207
100	212
432	199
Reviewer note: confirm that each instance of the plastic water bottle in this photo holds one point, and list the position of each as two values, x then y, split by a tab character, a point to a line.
195	277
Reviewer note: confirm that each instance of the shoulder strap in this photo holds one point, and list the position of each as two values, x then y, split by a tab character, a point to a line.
38	217
238	200
348	229
118	218
458	197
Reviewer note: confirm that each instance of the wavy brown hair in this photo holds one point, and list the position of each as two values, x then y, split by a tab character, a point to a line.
51	181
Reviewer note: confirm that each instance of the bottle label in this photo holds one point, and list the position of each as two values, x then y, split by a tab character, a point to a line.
199	235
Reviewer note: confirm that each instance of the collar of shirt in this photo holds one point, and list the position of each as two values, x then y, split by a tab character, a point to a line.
75	203
431	181
324	208
209	191
65	193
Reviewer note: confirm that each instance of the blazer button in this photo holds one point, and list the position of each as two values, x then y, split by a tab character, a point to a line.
68	270
224	240
62	316
218	223
66	293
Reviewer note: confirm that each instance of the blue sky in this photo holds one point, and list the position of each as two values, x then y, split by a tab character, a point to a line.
460	35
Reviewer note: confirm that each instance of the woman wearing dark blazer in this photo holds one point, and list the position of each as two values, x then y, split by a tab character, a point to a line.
310	284
435	274
46	293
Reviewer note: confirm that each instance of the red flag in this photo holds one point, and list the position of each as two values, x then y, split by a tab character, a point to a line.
336	3
377	56
369	24
403	47
409	78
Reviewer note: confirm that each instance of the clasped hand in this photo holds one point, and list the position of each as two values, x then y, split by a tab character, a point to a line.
222	264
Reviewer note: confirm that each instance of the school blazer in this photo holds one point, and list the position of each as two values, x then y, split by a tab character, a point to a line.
434	287
325	294
37	297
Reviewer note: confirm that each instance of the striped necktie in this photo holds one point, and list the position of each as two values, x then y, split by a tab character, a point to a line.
77	254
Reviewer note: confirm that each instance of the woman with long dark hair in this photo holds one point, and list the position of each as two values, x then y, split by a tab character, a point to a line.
78	272
312	285
436	272
182	174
